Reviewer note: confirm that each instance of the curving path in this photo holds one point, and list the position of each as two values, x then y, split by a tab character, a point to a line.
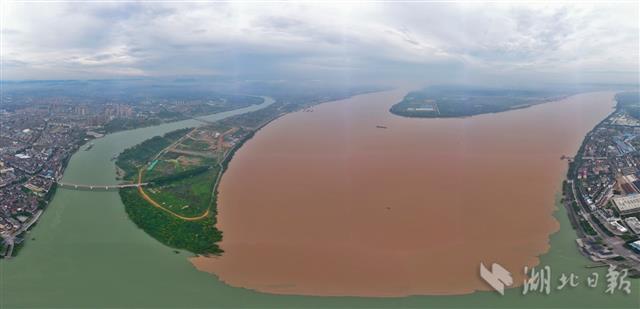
169	211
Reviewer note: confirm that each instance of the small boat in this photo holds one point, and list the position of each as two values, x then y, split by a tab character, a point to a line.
381	127
89	147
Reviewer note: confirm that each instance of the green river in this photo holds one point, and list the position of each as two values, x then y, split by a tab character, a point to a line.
85	252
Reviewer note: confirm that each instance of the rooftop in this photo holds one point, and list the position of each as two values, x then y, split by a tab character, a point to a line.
629	203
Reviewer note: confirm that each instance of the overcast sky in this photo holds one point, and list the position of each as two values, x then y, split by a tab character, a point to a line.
429	42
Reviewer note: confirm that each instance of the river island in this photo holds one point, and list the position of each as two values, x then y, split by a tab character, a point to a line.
108	235
420	201
464	101
176	175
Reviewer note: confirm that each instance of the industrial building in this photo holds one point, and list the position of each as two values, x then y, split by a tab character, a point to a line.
627	205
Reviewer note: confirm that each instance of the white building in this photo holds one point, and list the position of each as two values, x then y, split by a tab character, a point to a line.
633	223
627	205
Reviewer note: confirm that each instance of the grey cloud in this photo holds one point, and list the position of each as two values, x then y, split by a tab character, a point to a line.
426	40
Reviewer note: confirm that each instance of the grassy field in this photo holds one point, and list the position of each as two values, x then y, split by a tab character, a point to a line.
199	237
169	166
132	159
189	196
183	183
195	145
180	183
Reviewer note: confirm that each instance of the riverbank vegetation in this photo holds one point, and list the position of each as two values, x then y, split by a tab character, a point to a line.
121	124
188	193
199	237
198	105
445	101
131	159
183	169
177	207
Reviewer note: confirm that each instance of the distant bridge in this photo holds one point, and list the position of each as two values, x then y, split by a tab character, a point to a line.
75	186
203	120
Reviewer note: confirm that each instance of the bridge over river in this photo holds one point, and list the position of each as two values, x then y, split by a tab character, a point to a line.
76	186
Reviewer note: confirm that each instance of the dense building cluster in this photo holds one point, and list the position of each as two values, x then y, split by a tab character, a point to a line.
609	164
36	140
34	147
39	133
605	179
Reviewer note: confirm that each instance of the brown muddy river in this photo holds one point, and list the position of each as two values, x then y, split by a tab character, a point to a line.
326	203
